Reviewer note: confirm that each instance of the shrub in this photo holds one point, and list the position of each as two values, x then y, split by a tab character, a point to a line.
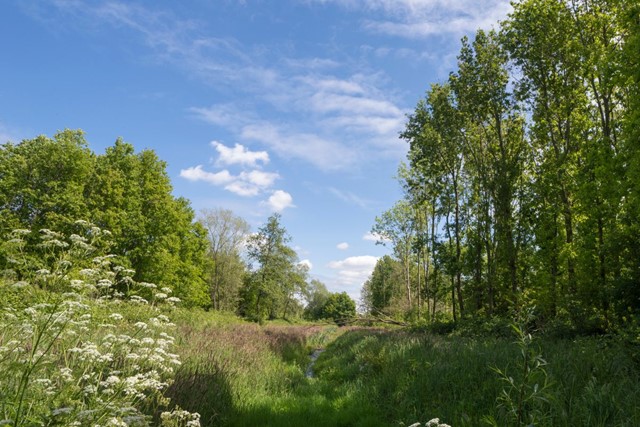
74	349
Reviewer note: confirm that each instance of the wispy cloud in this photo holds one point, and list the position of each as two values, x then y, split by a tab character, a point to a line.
353	271
375	237
342	246
423	18
350	198
223	115
338	115
324	153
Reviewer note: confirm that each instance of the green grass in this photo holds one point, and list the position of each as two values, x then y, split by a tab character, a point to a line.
239	374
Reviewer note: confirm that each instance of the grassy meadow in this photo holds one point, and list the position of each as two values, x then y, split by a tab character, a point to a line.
239	374
72	360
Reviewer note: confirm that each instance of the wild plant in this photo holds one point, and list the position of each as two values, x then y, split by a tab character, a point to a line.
524	399
78	344
435	422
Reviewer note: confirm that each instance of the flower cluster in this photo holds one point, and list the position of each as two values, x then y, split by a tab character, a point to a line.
74	349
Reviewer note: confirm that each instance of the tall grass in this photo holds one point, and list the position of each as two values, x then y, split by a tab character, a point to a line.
417	377
233	370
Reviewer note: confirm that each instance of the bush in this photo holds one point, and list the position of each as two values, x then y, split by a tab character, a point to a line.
74	349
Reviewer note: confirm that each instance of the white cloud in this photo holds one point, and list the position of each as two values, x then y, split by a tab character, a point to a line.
375	237
259	178
198	174
279	201
421	18
243	189
239	155
246	184
342	246
354	271
306	263
323	153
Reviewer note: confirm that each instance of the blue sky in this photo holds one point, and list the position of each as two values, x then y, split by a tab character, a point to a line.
290	106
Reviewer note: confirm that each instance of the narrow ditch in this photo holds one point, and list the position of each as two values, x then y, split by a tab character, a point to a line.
313	357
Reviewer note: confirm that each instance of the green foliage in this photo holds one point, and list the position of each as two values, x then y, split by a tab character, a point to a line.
340	308
269	290
384	287
42	182
73	351
526	392
226	234
525	164
414	376
49	183
317	296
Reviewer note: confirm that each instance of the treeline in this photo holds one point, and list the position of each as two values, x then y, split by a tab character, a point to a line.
522	185
50	183
211	260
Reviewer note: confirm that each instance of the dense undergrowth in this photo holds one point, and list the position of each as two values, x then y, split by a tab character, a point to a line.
413	376
238	374
82	343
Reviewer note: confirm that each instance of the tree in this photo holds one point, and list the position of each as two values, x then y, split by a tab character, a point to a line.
275	280
495	143
436	136
51	183
384	287
340	308
397	227
226	234
156	232
42	181
317	296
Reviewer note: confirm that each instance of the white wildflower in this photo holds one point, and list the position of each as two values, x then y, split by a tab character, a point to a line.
104	283
148	285
138	299
66	374
21	284
76	238
65	264
61	411
88	272
115	422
